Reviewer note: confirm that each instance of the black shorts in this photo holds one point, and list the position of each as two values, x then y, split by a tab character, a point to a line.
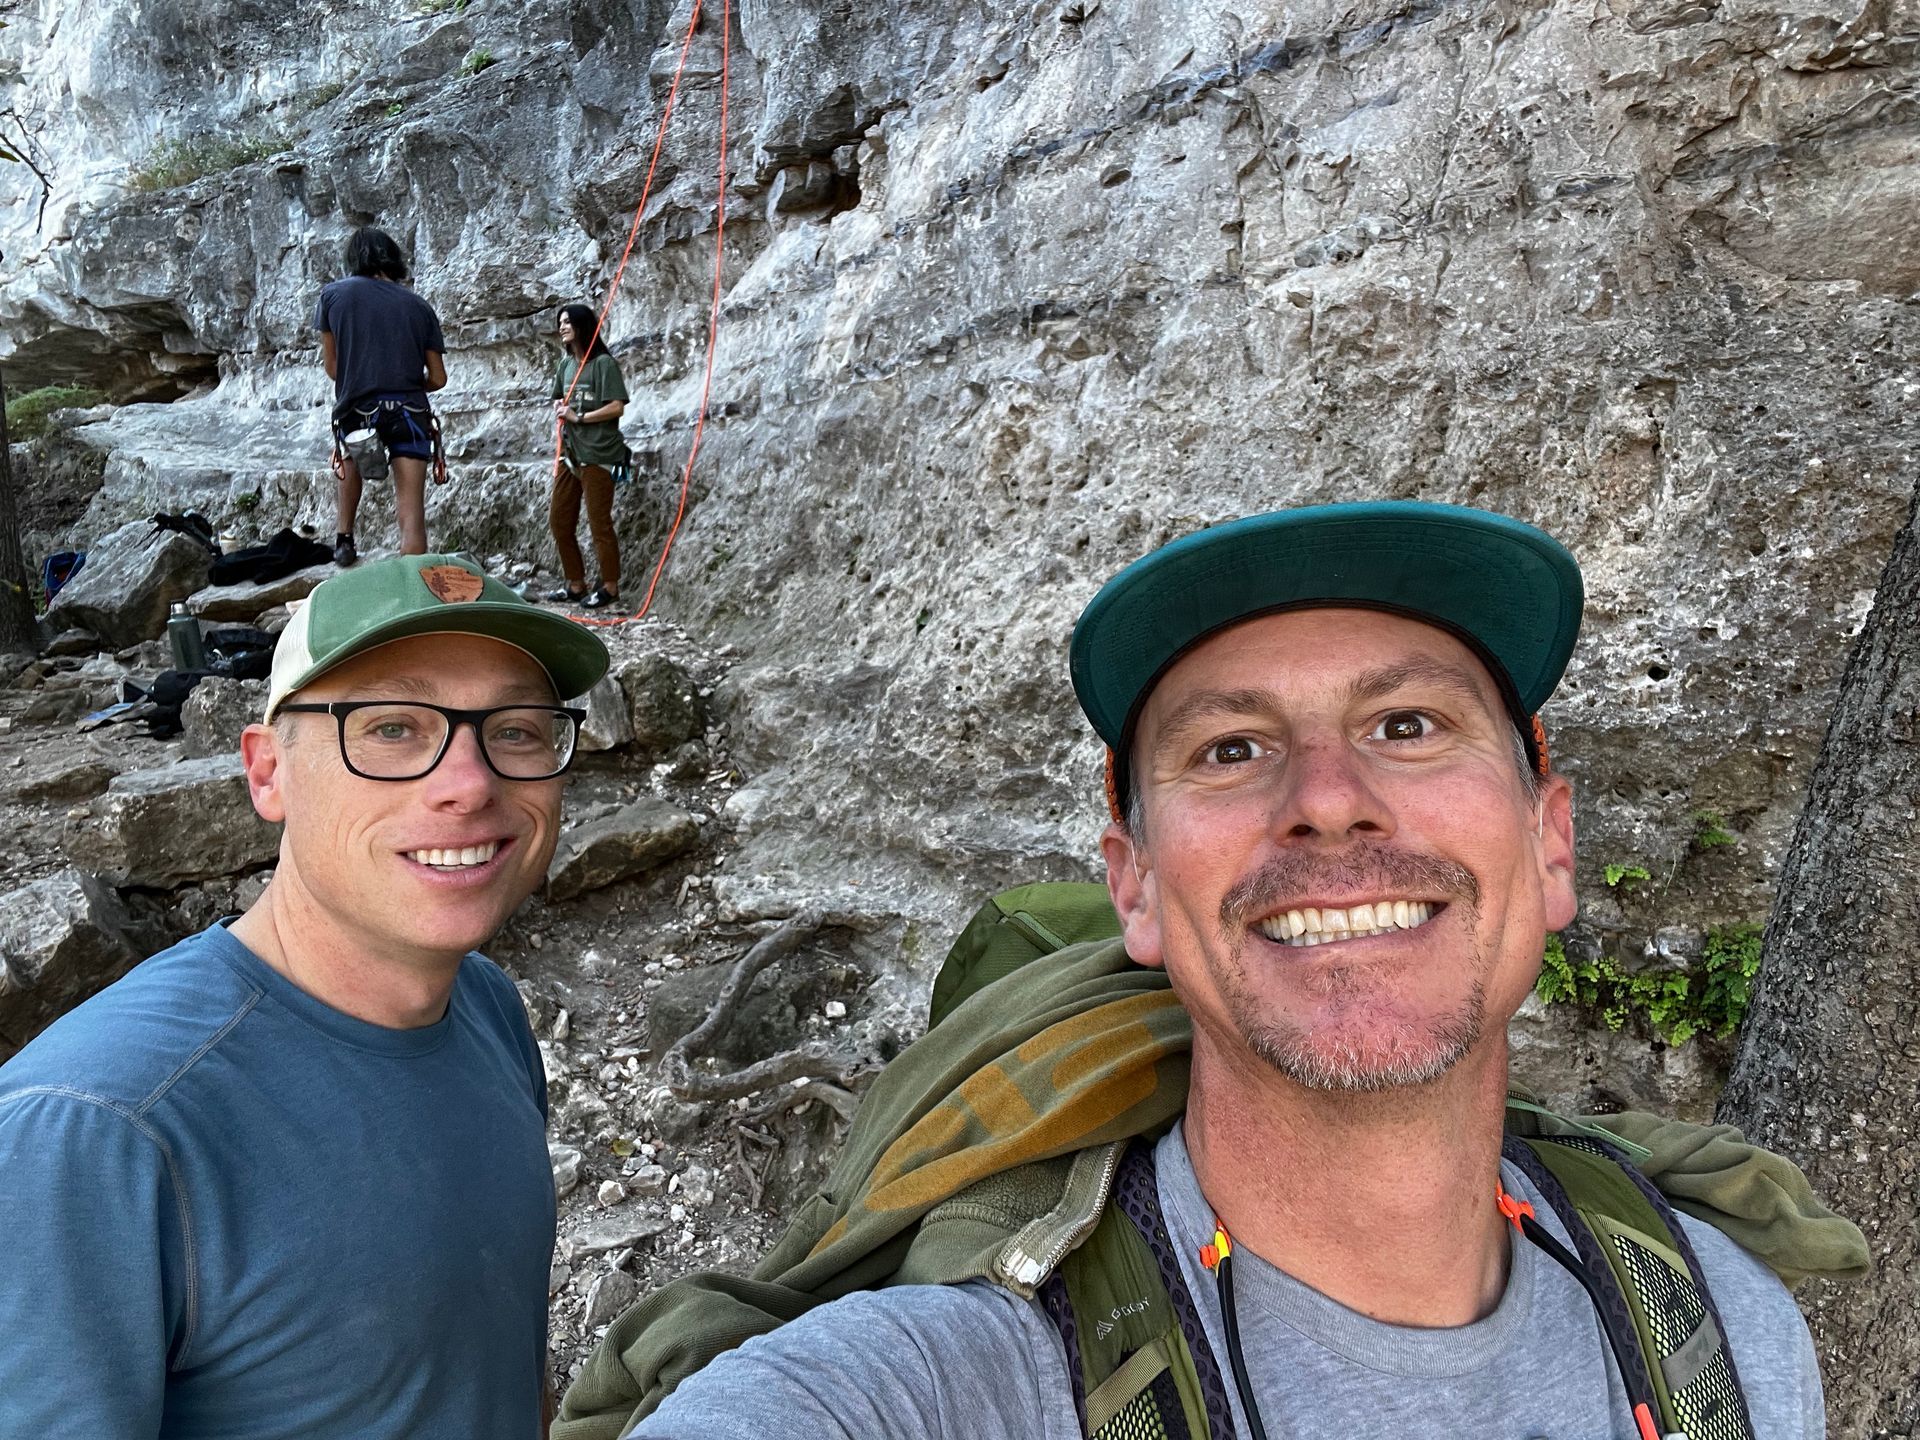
404	425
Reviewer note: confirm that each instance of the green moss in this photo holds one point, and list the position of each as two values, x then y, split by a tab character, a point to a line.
1708	998
28	414
476	62
322	95
1710	831
178	161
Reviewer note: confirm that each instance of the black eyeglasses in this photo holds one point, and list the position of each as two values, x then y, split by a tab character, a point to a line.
404	740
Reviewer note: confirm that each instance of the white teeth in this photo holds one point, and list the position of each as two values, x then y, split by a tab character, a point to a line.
456	859
1308	927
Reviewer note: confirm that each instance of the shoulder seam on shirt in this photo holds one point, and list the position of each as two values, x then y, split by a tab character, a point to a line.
253	998
174	1178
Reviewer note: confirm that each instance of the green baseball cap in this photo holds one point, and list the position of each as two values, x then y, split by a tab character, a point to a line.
1511	593
407	595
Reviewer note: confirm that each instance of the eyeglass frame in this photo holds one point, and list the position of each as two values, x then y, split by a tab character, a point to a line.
340	709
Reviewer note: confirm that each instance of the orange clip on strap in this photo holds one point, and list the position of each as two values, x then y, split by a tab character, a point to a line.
1220	1249
1540	746
1508	1206
1113	793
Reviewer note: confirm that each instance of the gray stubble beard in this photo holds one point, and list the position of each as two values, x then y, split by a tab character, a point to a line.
1419	1056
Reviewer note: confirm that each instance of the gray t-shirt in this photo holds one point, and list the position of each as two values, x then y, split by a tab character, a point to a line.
977	1362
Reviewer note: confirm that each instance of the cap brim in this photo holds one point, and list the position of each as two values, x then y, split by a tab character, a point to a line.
1511	592
574	659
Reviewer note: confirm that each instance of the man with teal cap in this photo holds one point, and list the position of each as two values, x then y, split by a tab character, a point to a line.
1336	829
289	1178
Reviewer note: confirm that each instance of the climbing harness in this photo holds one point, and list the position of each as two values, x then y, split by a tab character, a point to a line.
719	255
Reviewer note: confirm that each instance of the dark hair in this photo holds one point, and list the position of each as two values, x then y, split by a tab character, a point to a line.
582	319
373	252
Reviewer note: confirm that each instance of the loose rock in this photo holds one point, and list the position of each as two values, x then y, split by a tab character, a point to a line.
162	828
661	707
246	603
566	1167
217	711
629	842
61	939
607	726
611	1294
616	1232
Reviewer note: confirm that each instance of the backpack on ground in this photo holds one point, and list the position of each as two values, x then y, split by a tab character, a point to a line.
58	568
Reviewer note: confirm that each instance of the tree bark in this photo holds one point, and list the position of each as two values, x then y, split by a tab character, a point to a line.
18	631
1828	1067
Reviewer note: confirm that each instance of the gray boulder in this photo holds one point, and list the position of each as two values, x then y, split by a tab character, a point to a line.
129	581
662	705
243	604
629	842
74	777
217	711
61	939
608	725
166	827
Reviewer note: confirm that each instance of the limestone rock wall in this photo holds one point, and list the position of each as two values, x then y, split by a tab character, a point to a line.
1013	293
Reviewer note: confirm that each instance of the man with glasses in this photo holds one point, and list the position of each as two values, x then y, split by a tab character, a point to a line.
289	1177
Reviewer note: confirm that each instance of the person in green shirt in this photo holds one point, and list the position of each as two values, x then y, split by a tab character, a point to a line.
590	450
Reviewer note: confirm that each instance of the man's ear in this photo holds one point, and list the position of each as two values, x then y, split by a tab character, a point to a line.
1135	891
261	758
1554	841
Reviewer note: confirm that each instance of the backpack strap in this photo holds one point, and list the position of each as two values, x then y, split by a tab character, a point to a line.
1647	1275
1136	1352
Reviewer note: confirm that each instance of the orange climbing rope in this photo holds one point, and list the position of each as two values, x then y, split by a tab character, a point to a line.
713	316
613	288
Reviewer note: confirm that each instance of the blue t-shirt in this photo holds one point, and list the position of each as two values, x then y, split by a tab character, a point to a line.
382	332
231	1210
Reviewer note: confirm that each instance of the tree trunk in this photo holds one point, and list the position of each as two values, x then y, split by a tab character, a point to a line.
18	630
1828	1069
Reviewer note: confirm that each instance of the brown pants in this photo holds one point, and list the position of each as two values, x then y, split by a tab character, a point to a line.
563	518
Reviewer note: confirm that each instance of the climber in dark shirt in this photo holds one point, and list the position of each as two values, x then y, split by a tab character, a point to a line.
382	347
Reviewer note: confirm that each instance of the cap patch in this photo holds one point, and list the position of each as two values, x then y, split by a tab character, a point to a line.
452	584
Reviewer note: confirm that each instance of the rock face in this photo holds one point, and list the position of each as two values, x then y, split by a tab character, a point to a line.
629	842
130	579
61	939
662	709
217	711
160	828
1013	295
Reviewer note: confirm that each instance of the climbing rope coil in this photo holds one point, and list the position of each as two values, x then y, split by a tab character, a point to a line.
713	316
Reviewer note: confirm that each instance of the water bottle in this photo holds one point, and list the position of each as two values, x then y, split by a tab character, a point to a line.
183	638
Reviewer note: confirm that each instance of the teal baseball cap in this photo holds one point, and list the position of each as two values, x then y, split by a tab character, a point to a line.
405	595
1510	593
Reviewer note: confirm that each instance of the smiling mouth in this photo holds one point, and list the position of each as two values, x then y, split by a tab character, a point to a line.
1310	926
465	857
